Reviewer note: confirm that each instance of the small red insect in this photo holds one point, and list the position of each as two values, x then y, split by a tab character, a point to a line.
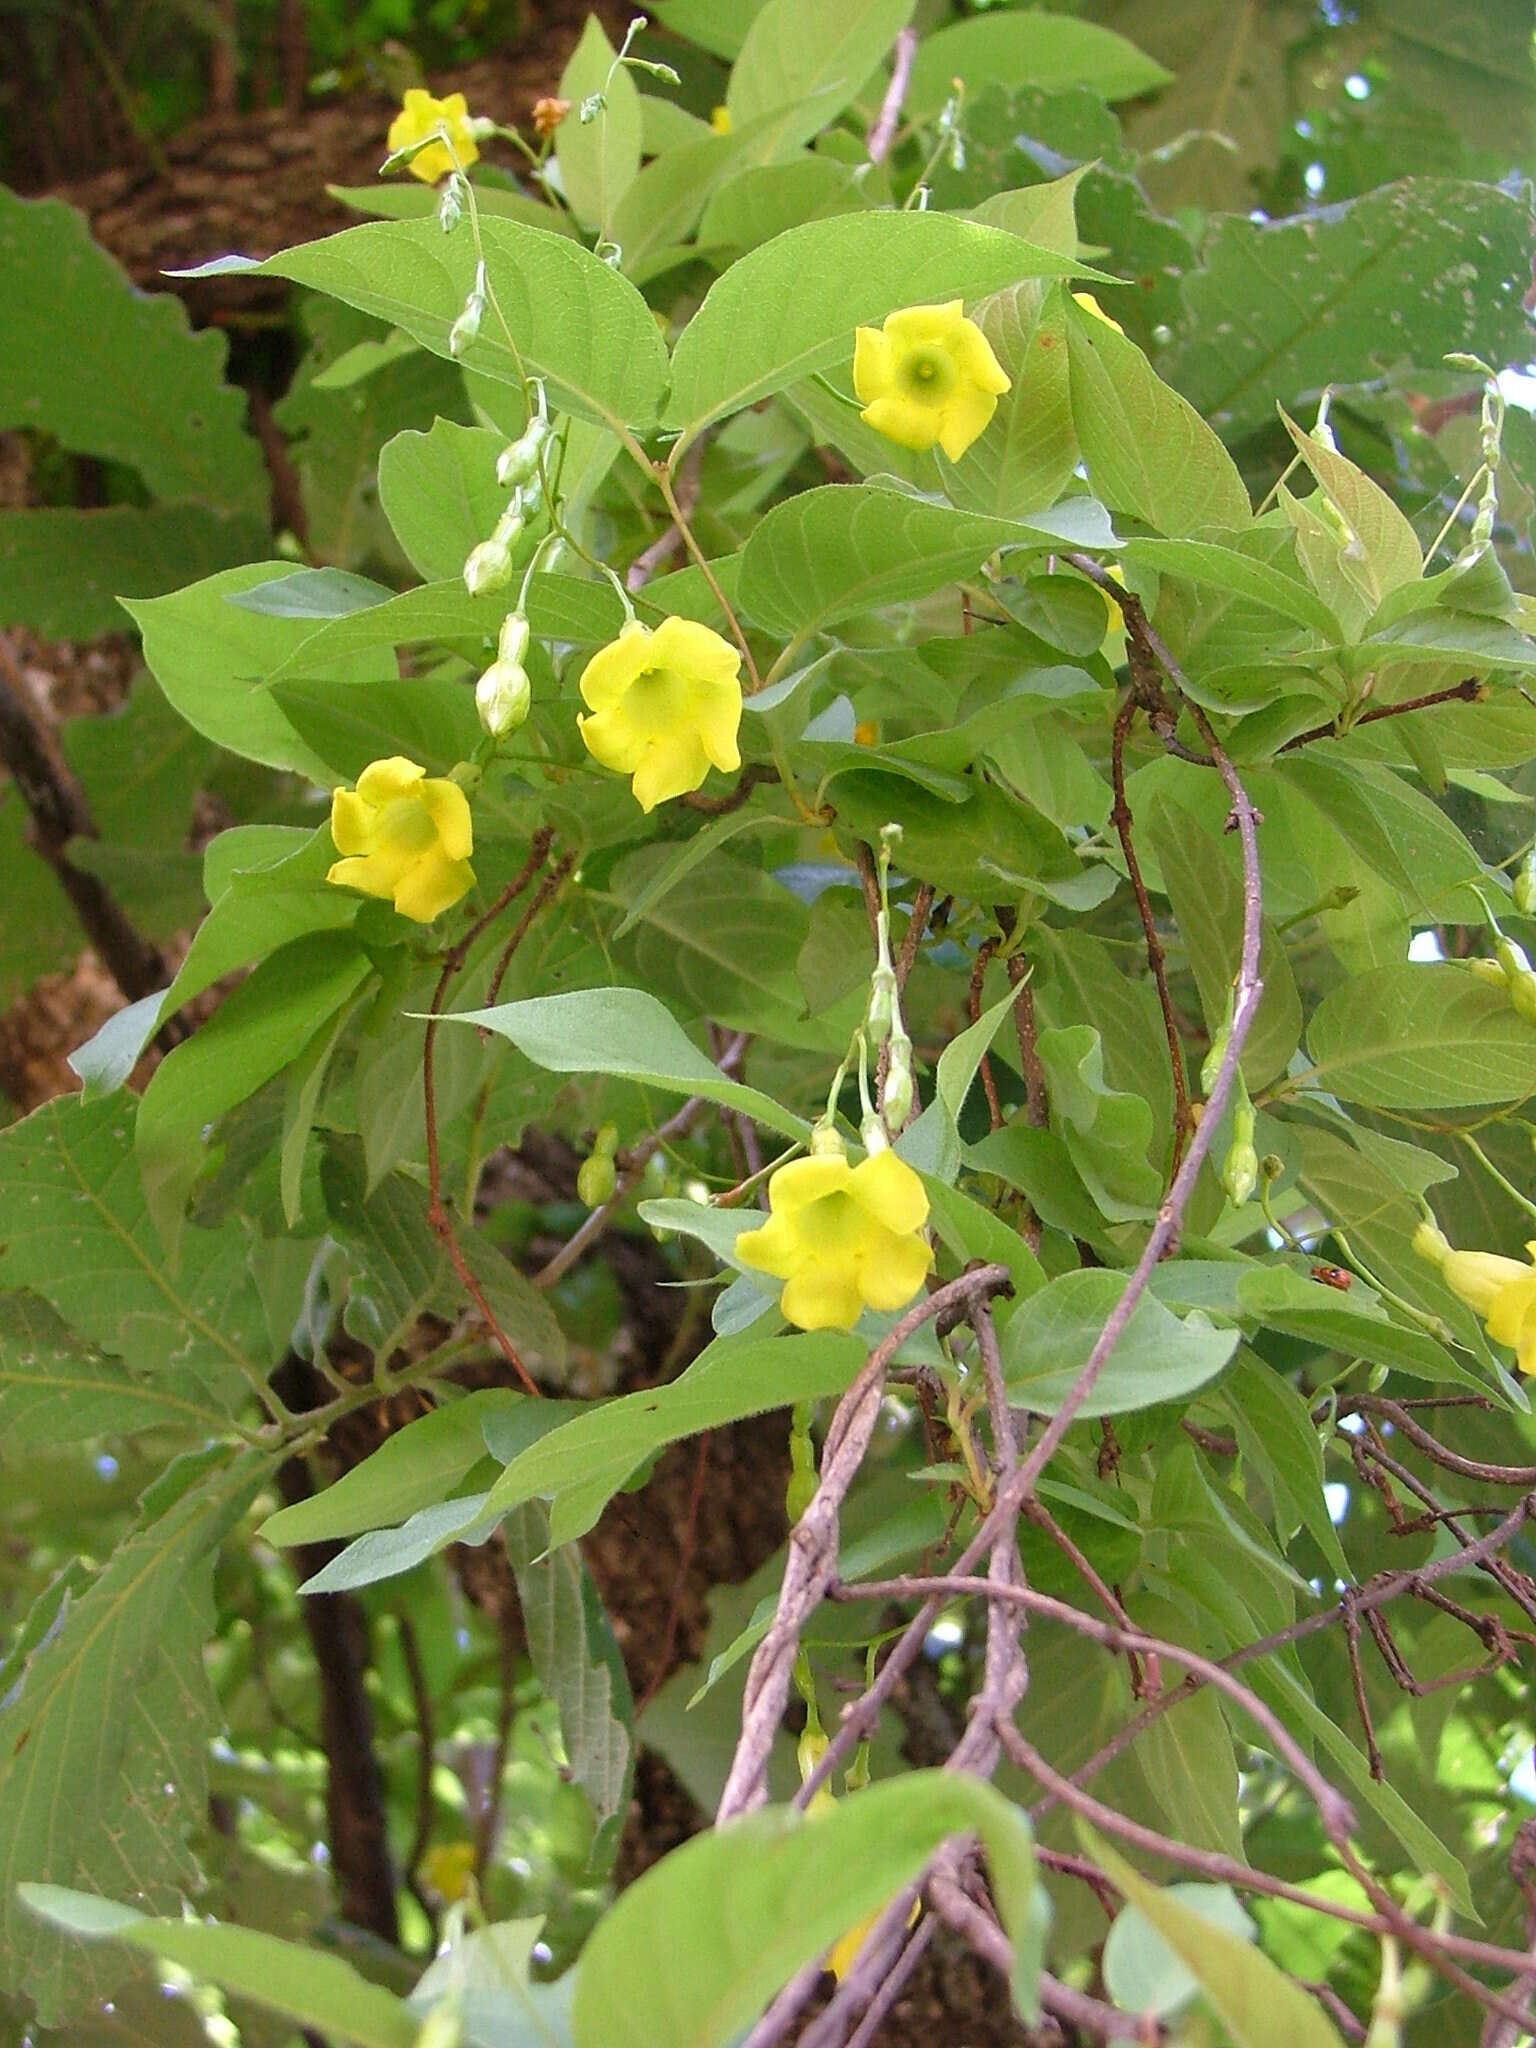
1334	1276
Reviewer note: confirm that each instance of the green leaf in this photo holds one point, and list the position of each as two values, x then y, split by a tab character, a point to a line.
1280	309
1259	2005
1142	1973
770	1892
681	860
1107	1132
106	1695
598	160
581	1465
440	494
801	55
576	323
1276	1437
401	1270
1215	566
141	767
1382	534
79	1234
577	1661
62	571
1207	903
1188	1762
623	1031
1049	51
488	1972
765	200
441	613
429	719
303	1984
1160	1357
416	1467
55	1389
1029	452
252	1035
1148	452
846	548
1420	1037
209	656
790	308
112	371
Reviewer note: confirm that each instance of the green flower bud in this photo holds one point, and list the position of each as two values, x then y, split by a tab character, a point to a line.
518	462
465	329
799	1494
450	208
509	527
1240	1172
1525	886
487	568
607	1140
596	1179
512	640
502	697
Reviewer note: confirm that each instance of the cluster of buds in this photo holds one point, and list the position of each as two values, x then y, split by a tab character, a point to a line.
504	693
488	566
1510	969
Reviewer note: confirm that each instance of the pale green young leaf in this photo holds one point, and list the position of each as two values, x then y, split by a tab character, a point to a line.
790	308
1107	1131
1142	1973
1052	52
1160	1357
1215	566
1420	1037
1381	549
209	656
581	1465
1148	451
440	494
1259	2004
770	1892
573	320
802	55
302	1984
847	548
623	1031
1027	455
765	200
598	159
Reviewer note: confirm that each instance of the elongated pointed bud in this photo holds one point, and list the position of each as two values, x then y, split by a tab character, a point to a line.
488	568
1525	886
518	462
502	697
596	1179
512	640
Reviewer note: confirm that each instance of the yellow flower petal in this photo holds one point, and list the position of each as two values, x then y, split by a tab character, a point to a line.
890	1272
666	707
821	1296
432	886
872	368
407	836
352	822
903	421
670	768
419	115
1478	1278
915	326
381	781
448	808
890	1191
966	418
613	668
1509	1308
804	1181
772	1248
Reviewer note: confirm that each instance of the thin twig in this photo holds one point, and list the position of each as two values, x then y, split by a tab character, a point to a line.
883	134
421	1700
1468	691
1120	818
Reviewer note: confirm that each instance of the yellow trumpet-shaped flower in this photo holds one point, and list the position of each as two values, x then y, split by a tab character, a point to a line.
419	115
928	375
406	835
666	707
842	1238
448	1868
1500	1290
